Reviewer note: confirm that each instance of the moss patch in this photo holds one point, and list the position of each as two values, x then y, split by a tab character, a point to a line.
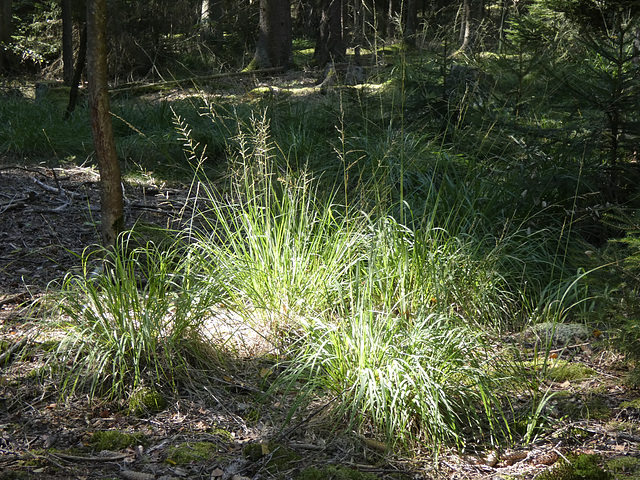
591	407
562	371
334	473
635	403
115	440
191	452
624	467
582	467
278	457
146	401
12	475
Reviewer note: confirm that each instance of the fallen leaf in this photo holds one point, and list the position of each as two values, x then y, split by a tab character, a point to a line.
217	473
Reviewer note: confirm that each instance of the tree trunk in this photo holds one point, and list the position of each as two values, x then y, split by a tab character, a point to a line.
411	22
67	43
77	74
465	25
275	47
5	32
330	42
211	12
111	207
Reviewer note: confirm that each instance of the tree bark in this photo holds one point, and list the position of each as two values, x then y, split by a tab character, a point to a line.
77	74
67	43
411	22
211	12
330	42
275	45
465	26
111	198
5	32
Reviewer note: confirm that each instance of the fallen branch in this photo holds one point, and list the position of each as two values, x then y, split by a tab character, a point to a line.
14	204
141	86
15	298
76	458
4	358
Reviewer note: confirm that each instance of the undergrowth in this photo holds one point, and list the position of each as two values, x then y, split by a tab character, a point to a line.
382	279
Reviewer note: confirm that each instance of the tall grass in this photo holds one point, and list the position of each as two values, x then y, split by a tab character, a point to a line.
376	312
422	380
378	294
133	318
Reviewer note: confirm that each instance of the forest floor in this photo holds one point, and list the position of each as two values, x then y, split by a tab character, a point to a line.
48	216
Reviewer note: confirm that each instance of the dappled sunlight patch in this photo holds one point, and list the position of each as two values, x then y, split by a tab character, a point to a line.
246	334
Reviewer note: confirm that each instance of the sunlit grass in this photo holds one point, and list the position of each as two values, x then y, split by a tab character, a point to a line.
133	318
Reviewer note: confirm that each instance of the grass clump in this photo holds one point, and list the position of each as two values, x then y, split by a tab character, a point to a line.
372	306
420	380
134	321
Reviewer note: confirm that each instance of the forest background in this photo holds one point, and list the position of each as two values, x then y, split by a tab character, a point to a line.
408	203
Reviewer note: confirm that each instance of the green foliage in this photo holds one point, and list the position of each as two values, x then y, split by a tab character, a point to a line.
37	30
418	380
131	322
582	467
622	301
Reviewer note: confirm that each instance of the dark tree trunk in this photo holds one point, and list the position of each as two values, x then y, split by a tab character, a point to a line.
67	43
275	47
411	22
111	207
5	32
330	41
77	73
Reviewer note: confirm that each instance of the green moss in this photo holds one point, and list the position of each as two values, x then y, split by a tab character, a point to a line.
278	456
222	433
591	407
635	403
13	475
582	467
561	371
115	440
146	401
624	467
334	473
191	452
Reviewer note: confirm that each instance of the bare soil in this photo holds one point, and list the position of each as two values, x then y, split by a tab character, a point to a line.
48	216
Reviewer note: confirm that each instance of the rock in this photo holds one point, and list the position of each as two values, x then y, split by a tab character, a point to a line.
558	333
131	475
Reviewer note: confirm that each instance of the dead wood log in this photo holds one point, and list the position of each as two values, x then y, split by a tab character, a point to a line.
129	87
